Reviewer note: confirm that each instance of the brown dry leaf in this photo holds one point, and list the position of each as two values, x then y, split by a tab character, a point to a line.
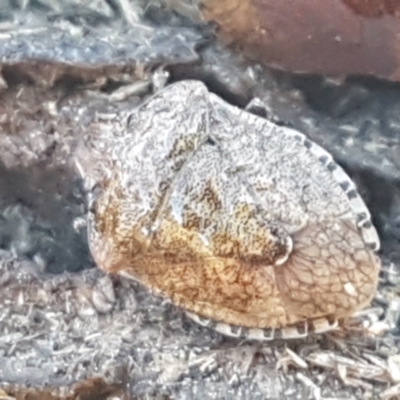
89	389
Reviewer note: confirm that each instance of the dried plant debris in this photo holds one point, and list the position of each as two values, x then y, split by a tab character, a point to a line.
82	334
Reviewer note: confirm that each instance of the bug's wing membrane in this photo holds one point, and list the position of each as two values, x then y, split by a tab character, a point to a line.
330	271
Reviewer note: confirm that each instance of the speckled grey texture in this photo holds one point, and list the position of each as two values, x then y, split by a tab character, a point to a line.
355	119
57	329
73	37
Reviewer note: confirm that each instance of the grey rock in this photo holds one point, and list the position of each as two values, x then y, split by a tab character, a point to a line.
59	320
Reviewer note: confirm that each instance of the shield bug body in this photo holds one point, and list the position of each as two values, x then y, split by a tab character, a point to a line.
250	227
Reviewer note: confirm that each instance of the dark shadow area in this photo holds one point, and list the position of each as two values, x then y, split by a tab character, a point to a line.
38	206
338	100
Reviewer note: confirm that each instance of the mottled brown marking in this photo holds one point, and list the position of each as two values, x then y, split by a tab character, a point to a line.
210	196
181	147
106	211
193	221
235	291
118	244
